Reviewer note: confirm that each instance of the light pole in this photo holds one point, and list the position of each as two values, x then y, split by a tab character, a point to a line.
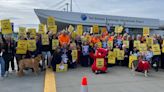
67	6
71	6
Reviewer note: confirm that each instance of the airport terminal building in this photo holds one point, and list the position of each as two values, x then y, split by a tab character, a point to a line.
63	19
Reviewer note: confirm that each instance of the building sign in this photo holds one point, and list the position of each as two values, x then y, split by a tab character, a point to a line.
90	19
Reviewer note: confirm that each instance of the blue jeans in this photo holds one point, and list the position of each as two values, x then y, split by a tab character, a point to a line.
2	62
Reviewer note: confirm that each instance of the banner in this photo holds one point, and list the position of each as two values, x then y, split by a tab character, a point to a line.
55	44
45	39
111	58
116	51
120	55
131	59
80	30
149	41
6	26
50	21
31	45
126	43
53	29
146	31
74	55
22	32
143	47
95	29
32	32
41	29
70	28
136	44
21	47
100	62
118	29
110	44
61	67
156	49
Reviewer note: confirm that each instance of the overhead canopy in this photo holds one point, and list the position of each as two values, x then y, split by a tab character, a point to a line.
65	18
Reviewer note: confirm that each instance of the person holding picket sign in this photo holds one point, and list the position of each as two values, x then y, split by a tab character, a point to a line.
46	48
8	54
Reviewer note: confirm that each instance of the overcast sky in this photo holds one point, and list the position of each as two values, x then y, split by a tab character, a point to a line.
21	11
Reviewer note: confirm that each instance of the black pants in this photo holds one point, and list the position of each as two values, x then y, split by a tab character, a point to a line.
8	58
18	58
162	61
155	60
125	61
84	61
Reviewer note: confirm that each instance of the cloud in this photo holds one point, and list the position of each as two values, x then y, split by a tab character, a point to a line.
21	11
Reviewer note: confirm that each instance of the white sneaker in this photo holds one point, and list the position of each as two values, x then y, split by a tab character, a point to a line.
6	74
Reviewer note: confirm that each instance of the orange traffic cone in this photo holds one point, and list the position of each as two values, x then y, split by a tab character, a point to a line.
84	84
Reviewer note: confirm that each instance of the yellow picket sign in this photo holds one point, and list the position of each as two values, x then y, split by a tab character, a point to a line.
61	67
162	49
110	44
126	43
32	32
116	50
111	58
53	29
22	32
120	55
70	28
146	31
118	29
74	55
55	44
136	44
41	29
100	62
80	30
131	59
156	49
31	45
73	34
149	41
143	47
95	29
45	39
99	44
21	47
50	21
103	30
6	26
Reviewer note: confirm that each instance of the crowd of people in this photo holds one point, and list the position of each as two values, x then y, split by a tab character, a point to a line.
86	45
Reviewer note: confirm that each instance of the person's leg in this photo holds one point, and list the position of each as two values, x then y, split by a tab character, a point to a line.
6	63
2	62
49	58
18	58
12	63
162	61
43	61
